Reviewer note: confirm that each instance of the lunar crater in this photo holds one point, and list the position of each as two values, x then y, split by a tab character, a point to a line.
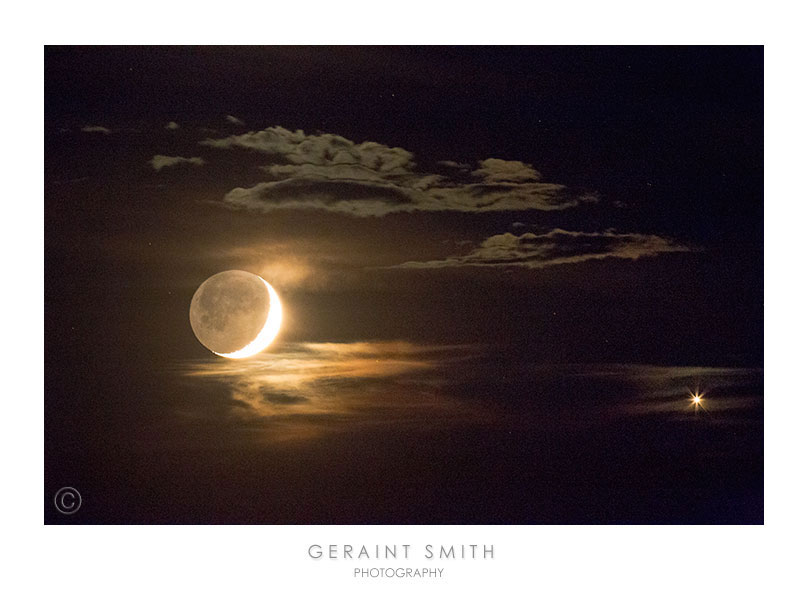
229	310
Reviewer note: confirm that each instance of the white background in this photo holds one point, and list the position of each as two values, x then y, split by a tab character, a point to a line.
551	560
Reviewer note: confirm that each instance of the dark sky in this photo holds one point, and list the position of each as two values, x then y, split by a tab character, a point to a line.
489	226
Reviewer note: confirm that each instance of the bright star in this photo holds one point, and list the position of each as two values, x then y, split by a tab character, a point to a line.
697	400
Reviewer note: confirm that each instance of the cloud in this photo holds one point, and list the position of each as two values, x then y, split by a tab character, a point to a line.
95	129
338	381
235	120
665	390
172	126
495	170
332	173
452	164
323	150
553	248
300	390
158	162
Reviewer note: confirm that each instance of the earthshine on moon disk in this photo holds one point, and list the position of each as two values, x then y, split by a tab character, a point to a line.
235	314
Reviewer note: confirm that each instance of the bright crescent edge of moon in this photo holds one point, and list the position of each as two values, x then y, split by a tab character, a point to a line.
269	332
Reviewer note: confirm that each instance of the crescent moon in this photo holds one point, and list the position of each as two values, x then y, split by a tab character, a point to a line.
269	332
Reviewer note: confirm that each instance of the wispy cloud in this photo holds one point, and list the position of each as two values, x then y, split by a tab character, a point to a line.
301	390
172	126
665	390
332	173
235	120
308	386
158	162
96	129
553	248
453	164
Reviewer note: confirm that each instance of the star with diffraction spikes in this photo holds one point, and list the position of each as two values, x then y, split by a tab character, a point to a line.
697	400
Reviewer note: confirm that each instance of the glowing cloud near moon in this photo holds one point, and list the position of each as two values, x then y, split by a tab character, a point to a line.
236	314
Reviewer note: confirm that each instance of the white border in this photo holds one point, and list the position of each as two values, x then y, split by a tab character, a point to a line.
264	560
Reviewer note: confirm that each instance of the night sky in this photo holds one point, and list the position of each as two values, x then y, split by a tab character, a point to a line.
503	271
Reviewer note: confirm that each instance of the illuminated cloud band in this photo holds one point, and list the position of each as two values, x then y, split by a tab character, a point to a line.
332	173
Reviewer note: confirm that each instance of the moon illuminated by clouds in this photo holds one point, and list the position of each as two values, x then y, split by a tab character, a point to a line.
235	314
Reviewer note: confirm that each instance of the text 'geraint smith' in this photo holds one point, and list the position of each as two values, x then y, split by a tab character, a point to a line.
402	551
